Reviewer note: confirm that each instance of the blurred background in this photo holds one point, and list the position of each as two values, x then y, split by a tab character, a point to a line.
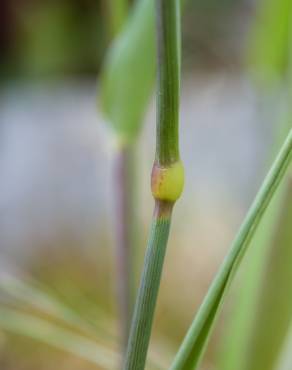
56	166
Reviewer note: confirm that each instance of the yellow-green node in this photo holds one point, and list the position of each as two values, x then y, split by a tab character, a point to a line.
167	182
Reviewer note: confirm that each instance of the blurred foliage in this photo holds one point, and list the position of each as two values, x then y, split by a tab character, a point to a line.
274	304
257	328
270	39
129	73
53	38
70	37
196	339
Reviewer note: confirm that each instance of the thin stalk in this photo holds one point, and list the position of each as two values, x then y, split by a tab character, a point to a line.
196	339
167	180
123	180
124	230
168	47
148	291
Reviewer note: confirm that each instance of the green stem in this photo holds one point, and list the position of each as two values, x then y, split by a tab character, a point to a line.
167	181
168	36
146	300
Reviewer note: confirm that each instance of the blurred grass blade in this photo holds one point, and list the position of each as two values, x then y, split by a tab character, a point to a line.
118	10
29	294
270	47
38	329
194	344
129	73
273	314
240	322
269	40
127	81
35	296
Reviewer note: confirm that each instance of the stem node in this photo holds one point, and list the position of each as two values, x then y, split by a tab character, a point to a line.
167	182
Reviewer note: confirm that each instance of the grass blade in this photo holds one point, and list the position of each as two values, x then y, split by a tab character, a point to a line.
273	313
237	335
29	294
41	330
195	342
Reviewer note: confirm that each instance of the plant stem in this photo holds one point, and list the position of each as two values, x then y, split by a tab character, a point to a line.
168	39
167	180
124	230
146	300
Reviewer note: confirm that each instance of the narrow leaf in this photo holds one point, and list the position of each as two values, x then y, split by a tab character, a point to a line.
239	326
17	295
272	318
38	329
33	295
195	342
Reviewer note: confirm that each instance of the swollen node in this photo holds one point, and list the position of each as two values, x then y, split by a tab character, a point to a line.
167	182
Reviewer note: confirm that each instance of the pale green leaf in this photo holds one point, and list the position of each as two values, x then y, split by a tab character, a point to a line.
128	76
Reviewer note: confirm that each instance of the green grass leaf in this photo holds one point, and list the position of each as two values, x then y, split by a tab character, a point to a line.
32	300
28	294
128	76
195	342
239	325
273	314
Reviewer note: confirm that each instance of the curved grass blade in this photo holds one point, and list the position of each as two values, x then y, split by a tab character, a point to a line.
51	334
273	314
237	336
34	296
195	342
16	295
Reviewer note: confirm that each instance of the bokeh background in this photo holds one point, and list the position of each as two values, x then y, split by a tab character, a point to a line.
56	166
